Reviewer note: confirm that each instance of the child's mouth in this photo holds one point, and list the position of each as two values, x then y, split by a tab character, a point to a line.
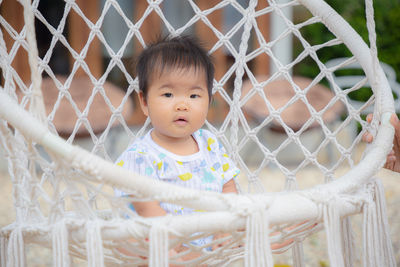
181	121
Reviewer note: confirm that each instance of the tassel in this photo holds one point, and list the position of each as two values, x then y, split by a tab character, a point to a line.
258	248
348	243
371	247
94	244
16	249
377	249
3	251
332	229
298	254
388	253
158	246
60	245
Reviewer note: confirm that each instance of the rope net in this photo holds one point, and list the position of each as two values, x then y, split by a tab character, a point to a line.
275	125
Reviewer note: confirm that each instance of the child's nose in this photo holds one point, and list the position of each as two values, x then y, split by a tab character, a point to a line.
181	106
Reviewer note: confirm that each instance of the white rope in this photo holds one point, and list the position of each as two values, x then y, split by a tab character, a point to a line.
235	110
37	104
3	251
387	246
5	66
257	247
372	251
348	243
158	246
376	226
16	249
332	225
94	244
298	254
369	14
60	245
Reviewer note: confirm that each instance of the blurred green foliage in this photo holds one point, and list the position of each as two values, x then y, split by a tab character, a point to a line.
387	19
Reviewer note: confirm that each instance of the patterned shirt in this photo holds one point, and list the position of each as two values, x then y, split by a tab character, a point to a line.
208	169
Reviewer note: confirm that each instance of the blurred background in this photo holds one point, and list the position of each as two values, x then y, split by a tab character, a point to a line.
125	44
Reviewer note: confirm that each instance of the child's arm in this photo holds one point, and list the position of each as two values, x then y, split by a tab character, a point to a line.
229	187
149	209
153	208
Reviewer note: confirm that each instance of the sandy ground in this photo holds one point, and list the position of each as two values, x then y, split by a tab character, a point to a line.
314	246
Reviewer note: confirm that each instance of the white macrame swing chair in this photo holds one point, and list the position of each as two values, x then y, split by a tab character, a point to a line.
61	191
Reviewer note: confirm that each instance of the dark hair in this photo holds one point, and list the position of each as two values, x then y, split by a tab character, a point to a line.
181	51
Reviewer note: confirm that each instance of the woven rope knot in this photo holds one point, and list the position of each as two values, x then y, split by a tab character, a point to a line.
154	4
20	38
301	94
320	196
312	158
249	12
79	59
35	93
224	39
96	29
249	205
284	69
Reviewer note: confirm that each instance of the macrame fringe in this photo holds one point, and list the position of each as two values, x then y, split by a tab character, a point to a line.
158	246
298	254
3	251
258	248
94	244
16	249
333	233
348	244
372	251
388	253
377	247
60	245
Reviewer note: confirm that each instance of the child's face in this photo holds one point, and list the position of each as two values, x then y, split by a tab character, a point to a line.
177	102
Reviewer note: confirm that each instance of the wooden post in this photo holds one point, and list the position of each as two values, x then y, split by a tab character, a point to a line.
150	29
209	38
219	108
12	11
79	33
261	63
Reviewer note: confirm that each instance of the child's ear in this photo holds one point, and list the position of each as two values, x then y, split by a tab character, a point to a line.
143	104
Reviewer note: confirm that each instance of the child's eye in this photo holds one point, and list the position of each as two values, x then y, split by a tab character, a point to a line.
167	95
194	96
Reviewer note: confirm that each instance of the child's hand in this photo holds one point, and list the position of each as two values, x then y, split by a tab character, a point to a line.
276	246
186	257
172	253
393	158
219	236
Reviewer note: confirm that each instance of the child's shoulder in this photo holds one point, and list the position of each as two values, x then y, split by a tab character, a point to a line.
208	139
204	134
139	146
